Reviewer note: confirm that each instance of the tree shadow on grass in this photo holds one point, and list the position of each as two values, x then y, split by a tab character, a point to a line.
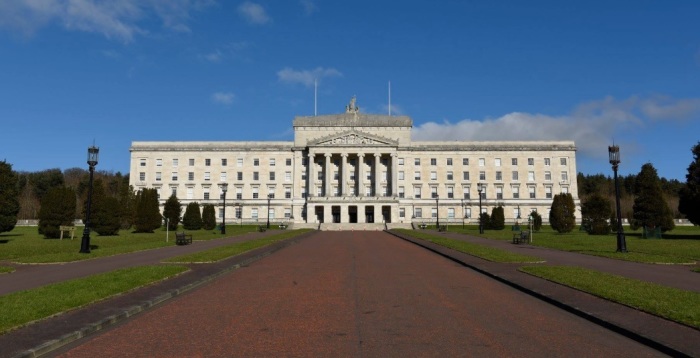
4	241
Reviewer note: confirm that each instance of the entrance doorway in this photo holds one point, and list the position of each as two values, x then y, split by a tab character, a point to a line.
319	213
335	211
386	213
369	214
352	213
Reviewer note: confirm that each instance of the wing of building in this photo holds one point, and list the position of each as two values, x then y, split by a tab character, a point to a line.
359	168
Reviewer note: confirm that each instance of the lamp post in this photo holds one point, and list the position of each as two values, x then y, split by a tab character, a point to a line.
437	211
93	155
269	197
480	189
463	213
614	154
224	188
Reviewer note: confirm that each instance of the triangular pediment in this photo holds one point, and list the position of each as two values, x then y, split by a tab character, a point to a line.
353	138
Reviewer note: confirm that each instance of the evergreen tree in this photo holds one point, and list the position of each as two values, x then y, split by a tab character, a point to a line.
562	214
192	220
148	216
9	193
689	196
106	220
613	221
498	219
208	217
650	209
596	212
57	209
485	221
127	206
536	220
172	212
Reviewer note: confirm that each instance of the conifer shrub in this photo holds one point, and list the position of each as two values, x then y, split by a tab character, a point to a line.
58	208
192	220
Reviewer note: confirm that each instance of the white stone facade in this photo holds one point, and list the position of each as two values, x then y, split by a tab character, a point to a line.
359	168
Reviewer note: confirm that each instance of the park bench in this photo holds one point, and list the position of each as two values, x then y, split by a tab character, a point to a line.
283	226
182	239
261	228
442	228
422	226
69	229
521	237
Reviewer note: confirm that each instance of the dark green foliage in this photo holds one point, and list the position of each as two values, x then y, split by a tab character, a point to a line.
192	220
689	196
57	209
536	220
596	212
562	214
9	191
106	220
208	217
44	181
650	209
498	218
148	216
613	221
127	206
485	221
172	212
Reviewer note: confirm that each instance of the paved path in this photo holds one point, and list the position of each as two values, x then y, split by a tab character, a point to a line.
363	294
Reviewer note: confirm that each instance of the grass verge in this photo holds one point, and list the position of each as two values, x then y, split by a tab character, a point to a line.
20	308
6	269
667	302
484	252
221	253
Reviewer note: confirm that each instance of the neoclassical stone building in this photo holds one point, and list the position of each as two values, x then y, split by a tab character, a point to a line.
359	168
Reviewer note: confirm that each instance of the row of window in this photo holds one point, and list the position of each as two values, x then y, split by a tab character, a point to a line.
207	162
515	175
223	176
466	211
482	161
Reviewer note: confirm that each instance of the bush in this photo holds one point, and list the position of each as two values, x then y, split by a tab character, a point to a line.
498	219
106	220
192	220
562	214
536	221
208	217
148	216
172	211
9	204
57	209
596	212
485	220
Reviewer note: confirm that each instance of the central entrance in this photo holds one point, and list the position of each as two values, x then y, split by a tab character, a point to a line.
369	214
352	213
335	211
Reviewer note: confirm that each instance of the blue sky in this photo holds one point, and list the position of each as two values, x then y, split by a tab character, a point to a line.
117	71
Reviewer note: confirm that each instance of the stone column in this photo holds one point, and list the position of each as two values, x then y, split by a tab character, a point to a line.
377	179
359	179
344	175
296	189
344	216
360	213
394	177
311	180
327	176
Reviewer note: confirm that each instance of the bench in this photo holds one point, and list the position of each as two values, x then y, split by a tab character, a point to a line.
442	228
521	237
261	228
283	226
69	229
182	239
422	226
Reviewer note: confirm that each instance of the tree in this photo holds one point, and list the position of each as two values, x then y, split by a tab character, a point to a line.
57	209
148	216
127	206
562	214
595	211
536	220
498	219
689	201
9	193
650	209
192	220
172	212
485	220
208	217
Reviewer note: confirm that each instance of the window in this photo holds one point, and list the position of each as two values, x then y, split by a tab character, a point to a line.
239	162
304	161
303	192
530	161
207	176
400	161
175	162
239	175
256	176
546	162
562	161
514	161
207	162
468	213
142	176
497	162
255	192
254	213
515	175
465	192
222	177
190	193
319	176
190	176
416	192
190	162
224	162
256	162
530	176
173	191
416	175
287	213
158	176
368	191
418	213
548	192
548	176
402	212
433	212
482	162
416	161
449	161
433	192
271	192
143	162
531	190
564	176
499	176
565	189
239	192
465	161
483	192
369	176
401	192
482	175
221	212
384	176
450	213
465	175
272	176
287	176
272	162
516	212
206	194
238	212
385	191
288	162
450	176
287	193
450	192
516	192
159	162
433	175
174	176
499	192
401	176
352	191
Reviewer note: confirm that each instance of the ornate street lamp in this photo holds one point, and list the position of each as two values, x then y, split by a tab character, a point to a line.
463	213
614	154
480	188
437	211
269	197
224	188
93	155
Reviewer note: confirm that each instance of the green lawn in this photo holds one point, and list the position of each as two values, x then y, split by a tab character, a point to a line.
670	303
25	245
221	253
20	308
484	252
680	246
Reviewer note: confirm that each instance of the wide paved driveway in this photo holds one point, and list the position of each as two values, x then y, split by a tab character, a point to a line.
356	294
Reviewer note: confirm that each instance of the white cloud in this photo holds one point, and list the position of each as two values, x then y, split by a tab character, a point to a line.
396	110
591	125
228	51
213	56
223	97
309	7
121	20
254	13
306	77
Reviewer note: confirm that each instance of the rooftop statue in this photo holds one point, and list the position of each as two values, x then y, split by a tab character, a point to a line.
352	106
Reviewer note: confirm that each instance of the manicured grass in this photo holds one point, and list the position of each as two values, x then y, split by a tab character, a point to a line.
671	303
484	252
6	269
221	253
680	246
19	308
25	245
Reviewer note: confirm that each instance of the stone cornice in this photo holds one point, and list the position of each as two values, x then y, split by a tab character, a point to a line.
353	120
210	146
492	146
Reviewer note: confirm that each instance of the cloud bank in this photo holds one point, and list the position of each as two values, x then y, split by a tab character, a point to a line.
306	77
223	97
254	13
